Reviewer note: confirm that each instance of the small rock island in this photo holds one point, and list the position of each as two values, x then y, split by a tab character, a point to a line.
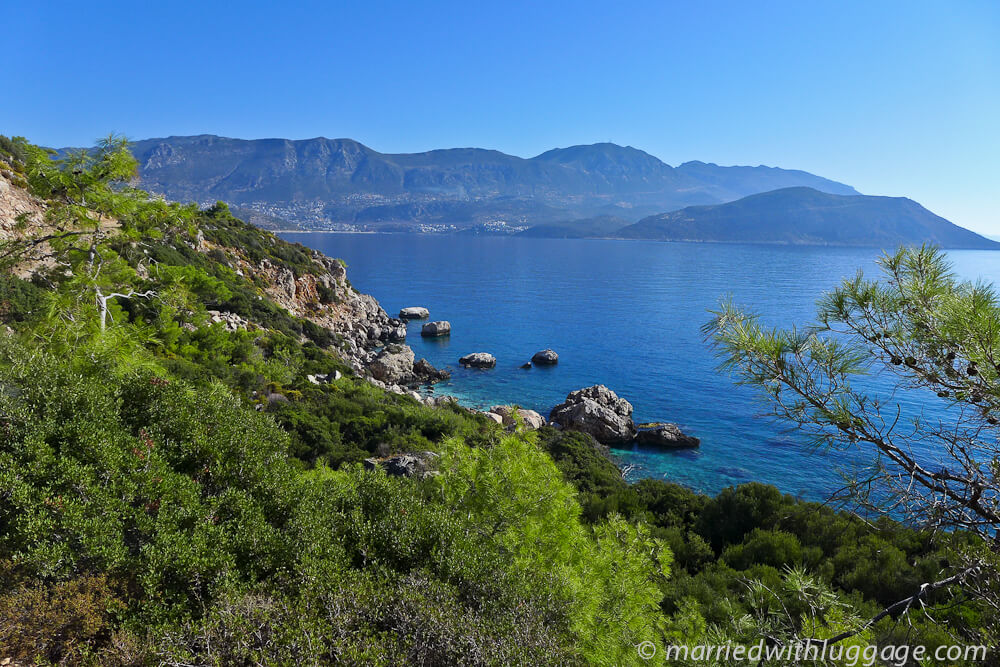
414	313
436	329
478	360
599	412
545	357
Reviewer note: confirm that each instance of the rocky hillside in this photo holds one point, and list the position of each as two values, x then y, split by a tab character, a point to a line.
313	287
21	216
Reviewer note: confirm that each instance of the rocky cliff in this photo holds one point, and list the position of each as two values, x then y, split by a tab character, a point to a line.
21	216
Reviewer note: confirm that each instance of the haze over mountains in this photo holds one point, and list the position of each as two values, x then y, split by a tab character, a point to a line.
596	190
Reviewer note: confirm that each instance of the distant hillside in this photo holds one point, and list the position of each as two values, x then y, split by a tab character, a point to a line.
600	226
321	183
806	216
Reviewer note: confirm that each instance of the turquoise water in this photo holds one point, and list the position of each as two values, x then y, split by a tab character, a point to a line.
622	313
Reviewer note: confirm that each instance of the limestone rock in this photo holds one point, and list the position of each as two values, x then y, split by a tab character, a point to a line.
232	321
478	360
435	329
532	420
599	412
324	378
414	313
393	365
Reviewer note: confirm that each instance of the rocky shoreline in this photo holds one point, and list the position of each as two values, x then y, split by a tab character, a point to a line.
373	344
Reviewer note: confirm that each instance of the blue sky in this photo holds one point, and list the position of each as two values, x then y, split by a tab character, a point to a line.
895	98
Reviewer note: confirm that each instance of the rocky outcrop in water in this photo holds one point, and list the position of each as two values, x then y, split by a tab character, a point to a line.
599	412
545	358
414	313
435	329
478	360
666	436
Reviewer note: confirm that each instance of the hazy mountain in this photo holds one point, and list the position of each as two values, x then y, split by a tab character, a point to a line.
318	182
802	215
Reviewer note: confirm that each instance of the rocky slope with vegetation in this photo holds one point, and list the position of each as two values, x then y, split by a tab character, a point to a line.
185	417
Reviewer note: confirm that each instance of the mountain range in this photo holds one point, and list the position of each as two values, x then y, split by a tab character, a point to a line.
318	183
599	190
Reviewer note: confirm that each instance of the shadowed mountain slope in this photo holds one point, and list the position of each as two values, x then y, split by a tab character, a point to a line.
806	216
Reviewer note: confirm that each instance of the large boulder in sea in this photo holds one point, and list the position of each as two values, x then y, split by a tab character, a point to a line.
414	313
393	365
599	412
666	436
545	358
478	360
434	329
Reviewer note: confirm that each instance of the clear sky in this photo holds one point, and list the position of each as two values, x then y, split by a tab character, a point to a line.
892	97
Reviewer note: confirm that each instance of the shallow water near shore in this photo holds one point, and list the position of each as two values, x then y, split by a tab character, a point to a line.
626	314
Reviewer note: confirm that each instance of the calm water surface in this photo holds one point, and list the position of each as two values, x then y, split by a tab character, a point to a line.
622	313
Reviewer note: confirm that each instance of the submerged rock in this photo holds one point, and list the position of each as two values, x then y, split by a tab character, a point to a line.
414	313
526	365
433	329
668	436
599	412
545	358
478	360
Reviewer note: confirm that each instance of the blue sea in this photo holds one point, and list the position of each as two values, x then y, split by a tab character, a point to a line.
626	314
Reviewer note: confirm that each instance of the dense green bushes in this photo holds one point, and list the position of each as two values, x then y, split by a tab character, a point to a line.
349	420
174	519
753	532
